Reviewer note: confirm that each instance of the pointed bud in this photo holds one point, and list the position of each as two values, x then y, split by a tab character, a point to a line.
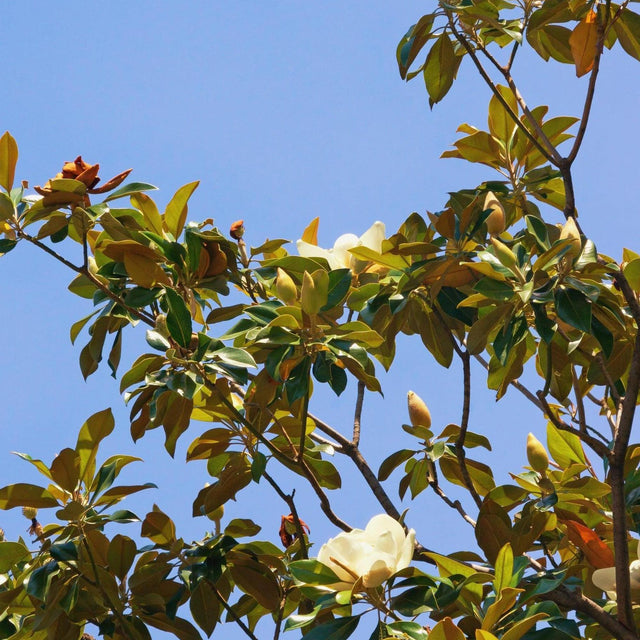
570	232
537	454
496	219
286	287
419	413
311	301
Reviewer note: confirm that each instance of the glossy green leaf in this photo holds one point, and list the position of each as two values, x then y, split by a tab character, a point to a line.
26	495
338	629
312	572
574	308
440	68
204	606
178	318
11	553
93	431
129	189
627	28
175	215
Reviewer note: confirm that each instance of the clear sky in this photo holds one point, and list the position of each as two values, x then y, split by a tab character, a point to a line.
285	110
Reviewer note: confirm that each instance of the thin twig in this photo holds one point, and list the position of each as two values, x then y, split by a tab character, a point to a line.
464	425
496	93
288	499
575	601
515	384
582	420
453	504
232	614
588	102
355	440
599	447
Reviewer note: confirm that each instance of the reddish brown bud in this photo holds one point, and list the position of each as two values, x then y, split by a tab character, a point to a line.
288	531
237	229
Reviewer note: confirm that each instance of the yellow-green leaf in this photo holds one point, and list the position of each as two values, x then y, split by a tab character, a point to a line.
26	495
584	43
175	215
8	160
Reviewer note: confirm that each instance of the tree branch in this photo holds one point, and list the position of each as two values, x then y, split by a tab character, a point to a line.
464	425
358	414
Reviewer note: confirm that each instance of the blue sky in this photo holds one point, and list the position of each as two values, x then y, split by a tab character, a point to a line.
285	111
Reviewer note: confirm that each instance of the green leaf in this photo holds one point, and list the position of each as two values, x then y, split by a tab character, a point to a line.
158	527
65	469
93	431
241	528
564	447
8	160
312	572
175	215
120	555
178	318
7	209
11	553
129	189
204	606
64	551
574	308
627	28
503	568
338	629
412	630
26	495
6	245
235	357
440	68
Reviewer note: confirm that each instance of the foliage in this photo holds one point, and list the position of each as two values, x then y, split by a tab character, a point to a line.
238	336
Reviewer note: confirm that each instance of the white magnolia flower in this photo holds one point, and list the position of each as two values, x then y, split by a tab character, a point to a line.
338	256
374	554
605	579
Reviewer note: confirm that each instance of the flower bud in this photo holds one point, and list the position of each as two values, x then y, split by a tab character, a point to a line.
286	287
237	229
496	219
29	512
536	454
570	232
418	411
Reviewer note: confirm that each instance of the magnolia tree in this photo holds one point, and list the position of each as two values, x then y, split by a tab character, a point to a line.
240	336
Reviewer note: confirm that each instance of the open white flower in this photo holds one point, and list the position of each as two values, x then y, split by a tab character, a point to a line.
374	555
605	579
338	256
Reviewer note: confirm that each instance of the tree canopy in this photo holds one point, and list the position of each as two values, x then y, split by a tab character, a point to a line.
239	337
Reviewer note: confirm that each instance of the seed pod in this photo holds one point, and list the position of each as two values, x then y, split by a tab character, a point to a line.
570	232
496	219
418	411
29	512
537	454
286	287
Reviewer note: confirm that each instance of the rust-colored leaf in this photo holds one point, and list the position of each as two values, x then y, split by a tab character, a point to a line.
310	234
595	550
584	43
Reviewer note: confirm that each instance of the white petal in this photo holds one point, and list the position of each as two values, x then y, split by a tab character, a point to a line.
634	571
378	572
605	579
372	238
345	242
383	523
308	250
406	555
